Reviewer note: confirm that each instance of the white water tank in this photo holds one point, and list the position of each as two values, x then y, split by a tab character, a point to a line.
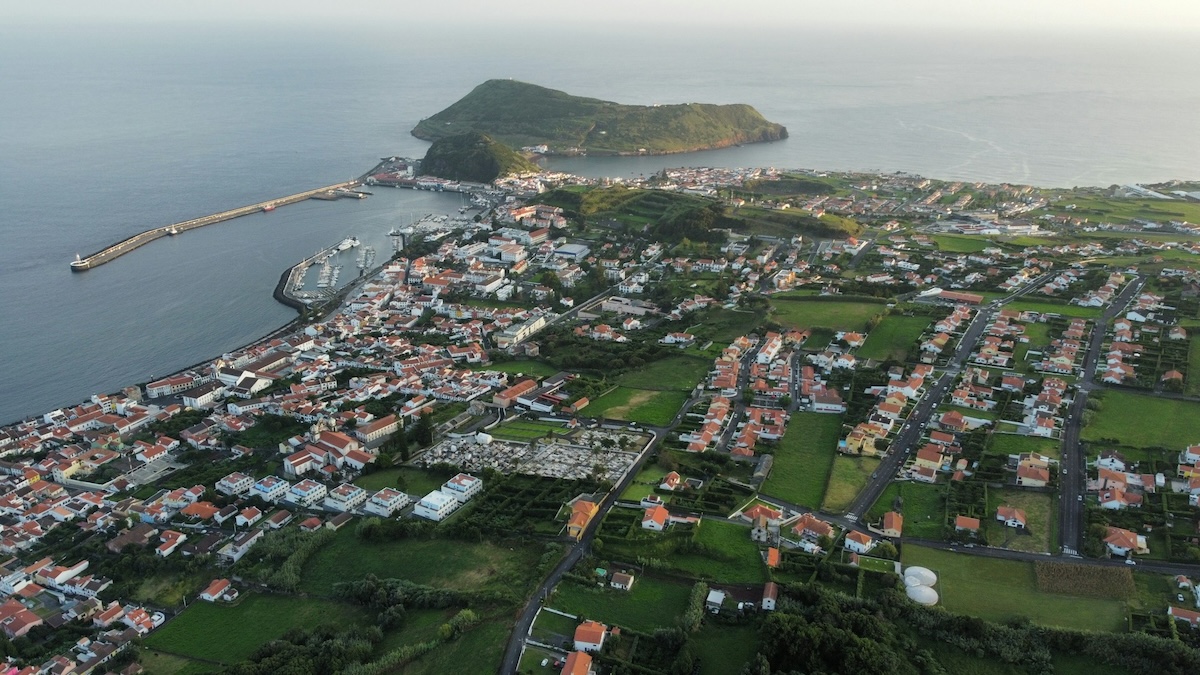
923	595
923	575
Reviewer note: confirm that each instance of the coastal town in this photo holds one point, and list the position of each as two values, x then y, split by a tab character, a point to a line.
599	426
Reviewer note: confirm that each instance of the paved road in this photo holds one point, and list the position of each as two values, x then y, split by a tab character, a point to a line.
1073	481
1003	553
516	640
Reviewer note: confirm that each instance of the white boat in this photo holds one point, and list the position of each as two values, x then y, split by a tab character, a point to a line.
348	243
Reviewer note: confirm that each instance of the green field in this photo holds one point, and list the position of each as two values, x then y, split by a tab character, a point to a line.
680	373
1015	444
1193	373
893	337
407	479
804	458
725	649
534	368
160	663
1143	421
999	590
1038	536
526	430
650	604
230	633
961	243
848	478
482	647
1125	210
735	559
923	509
657	408
1043	307
644	483
446	564
837	315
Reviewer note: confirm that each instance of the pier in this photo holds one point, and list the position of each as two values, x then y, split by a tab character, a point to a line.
335	191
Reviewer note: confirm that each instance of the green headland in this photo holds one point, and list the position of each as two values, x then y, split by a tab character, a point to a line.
522	115
473	156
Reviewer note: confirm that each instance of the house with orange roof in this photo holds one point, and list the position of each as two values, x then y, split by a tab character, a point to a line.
772	557
219	589
966	524
858	542
578	663
1011	517
892	524
582	513
1121	542
589	636
655	518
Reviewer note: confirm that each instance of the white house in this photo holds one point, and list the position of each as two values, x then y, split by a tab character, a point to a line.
857	542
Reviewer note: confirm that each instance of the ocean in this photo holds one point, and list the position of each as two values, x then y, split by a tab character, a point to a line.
108	130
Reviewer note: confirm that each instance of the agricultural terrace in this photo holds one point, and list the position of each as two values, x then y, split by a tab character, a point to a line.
894	337
231	633
850	315
1135	420
645	406
1040	510
803	459
651	603
848	478
460	565
1000	590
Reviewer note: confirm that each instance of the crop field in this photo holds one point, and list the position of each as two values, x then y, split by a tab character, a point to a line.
893	337
230	633
848	478
680	373
465	565
836	315
1015	444
646	406
804	458
1115	583
650	604
1144	421
999	590
1040	525
1043	307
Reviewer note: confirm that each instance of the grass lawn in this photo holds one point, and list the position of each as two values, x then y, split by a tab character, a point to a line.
680	373
458	564
166	664
639	405
525	430
647	479
1022	305
804	458
1015	444
550	627
1040	525
877	564
848	478
169	590
847	315
650	604
535	368
893	337
230	633
725	649
407	479
482	647
1143	421
999	590
923	509
736	559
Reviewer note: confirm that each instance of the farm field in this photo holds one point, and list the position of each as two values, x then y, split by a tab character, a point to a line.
1015	444
650	604
230	633
680	373
1144	421
848	478
1038	537
999	590
838	315
646	406
893	337
535	368
464	565
803	459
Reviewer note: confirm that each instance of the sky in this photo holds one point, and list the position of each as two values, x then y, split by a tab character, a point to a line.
1070	16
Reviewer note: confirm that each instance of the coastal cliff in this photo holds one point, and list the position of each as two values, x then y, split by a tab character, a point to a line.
523	115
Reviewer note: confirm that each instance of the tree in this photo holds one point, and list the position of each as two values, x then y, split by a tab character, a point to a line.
423	434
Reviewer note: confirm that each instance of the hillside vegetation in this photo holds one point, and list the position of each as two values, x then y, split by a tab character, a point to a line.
523	114
473	157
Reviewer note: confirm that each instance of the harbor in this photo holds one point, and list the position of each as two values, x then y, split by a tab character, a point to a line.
295	289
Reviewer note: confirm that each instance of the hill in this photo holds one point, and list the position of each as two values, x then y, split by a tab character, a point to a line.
523	114
473	156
